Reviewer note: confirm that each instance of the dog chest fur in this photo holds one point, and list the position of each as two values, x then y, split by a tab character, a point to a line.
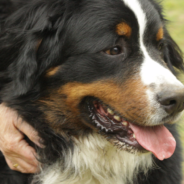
96	161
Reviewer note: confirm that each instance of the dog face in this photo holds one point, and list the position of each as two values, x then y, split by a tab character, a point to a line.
92	66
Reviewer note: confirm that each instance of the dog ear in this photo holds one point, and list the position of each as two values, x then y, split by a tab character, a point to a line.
6	8
173	56
25	30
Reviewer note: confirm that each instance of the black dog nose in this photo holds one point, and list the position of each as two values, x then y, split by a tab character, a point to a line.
172	101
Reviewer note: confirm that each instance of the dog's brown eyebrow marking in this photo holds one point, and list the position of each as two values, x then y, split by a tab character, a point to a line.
38	44
123	29
160	34
52	71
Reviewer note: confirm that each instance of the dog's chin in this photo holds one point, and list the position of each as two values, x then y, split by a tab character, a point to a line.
171	119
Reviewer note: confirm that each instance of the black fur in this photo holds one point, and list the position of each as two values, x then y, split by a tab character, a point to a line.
72	34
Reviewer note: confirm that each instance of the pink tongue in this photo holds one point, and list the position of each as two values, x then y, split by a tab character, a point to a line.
156	139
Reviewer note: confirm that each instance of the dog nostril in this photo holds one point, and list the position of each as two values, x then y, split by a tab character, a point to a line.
172	102
168	102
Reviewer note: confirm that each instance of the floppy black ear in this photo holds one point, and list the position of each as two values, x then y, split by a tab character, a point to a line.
33	23
173	56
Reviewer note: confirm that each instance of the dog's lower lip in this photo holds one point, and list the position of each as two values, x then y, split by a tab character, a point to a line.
113	126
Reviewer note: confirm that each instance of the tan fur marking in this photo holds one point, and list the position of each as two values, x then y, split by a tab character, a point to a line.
160	34
61	107
52	71
58	115
123	29
38	44
129	99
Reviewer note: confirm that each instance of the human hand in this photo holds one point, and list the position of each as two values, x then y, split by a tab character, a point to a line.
19	155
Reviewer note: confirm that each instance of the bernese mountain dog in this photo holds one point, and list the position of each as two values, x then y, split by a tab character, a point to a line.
97	80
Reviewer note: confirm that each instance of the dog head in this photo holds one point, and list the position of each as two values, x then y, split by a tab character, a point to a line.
92	66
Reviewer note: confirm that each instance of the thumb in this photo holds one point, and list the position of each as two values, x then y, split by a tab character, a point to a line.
29	131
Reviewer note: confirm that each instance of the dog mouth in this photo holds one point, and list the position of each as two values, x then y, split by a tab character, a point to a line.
128	136
114	127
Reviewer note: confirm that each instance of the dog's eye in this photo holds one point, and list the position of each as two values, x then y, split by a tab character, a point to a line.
114	51
161	46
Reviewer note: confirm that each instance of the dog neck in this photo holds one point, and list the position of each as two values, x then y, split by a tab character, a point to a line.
95	161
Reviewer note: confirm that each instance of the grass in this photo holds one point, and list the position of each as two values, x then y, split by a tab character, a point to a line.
174	11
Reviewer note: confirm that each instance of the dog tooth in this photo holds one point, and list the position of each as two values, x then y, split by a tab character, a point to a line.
134	136
124	123
110	111
129	147
117	118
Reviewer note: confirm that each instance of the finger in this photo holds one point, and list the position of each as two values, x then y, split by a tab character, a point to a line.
24	157
17	159
30	132
27	153
21	166
26	167
21	149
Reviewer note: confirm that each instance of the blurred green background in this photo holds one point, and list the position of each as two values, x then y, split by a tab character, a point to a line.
174	12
